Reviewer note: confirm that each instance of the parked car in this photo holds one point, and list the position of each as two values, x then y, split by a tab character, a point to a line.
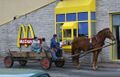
22	73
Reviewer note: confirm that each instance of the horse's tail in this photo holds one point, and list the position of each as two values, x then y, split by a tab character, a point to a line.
72	53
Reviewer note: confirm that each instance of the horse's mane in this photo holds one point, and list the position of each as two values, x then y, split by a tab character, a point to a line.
103	30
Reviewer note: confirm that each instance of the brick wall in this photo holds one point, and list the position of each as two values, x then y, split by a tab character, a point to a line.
104	7
42	21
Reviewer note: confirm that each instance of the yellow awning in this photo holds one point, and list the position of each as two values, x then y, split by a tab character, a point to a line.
70	6
70	25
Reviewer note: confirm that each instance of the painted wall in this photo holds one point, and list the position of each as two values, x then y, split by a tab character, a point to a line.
42	21
104	7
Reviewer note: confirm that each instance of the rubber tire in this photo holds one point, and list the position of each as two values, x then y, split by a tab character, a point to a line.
23	62
59	63
45	63
8	62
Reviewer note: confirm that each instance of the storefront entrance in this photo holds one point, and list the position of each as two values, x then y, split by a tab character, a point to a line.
116	32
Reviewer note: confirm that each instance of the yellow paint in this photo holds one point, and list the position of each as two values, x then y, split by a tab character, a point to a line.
24	30
67	47
75	6
72	26
79	21
89	24
55	22
116	60
71	6
111	48
114	13
65	17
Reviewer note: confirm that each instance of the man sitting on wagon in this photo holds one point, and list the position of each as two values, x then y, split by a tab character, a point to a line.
55	48
44	45
36	45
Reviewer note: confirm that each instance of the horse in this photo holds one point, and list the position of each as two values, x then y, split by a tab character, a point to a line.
84	44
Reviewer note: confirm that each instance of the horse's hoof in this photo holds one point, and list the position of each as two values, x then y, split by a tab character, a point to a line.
75	64
95	68
78	66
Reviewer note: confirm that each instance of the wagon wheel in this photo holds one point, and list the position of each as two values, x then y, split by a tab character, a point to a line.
59	63
23	62
8	61
45	63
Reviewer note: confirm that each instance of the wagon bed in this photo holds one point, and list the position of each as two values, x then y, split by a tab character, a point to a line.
22	57
29	55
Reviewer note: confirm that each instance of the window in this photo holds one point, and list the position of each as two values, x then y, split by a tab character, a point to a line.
60	17
71	17
75	32
58	30
93	16
83	16
67	33
83	28
116	20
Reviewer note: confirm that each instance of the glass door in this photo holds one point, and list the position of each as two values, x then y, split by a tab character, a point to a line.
116	32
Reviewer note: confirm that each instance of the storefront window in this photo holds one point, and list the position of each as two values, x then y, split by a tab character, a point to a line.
83	28
71	17
83	16
116	20
60	18
75	32
67	33
58	30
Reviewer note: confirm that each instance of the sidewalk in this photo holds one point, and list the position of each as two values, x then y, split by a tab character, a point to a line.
109	65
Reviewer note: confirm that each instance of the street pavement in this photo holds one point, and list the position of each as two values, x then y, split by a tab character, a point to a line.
70	71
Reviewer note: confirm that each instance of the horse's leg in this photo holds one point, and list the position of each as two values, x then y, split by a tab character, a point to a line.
75	59
95	58
73	52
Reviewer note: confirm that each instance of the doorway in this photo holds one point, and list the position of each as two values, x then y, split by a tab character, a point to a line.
116	32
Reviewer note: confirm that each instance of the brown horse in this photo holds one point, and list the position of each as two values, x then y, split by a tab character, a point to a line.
83	44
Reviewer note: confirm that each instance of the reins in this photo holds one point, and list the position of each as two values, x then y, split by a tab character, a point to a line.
89	51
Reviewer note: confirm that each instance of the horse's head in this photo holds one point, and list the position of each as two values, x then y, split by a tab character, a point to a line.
109	34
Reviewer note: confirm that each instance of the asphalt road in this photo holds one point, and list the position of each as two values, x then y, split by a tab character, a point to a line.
70	71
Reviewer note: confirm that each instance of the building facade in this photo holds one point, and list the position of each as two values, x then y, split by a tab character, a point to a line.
69	12
107	15
43	20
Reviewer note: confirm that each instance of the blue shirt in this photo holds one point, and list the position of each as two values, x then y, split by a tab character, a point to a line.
53	43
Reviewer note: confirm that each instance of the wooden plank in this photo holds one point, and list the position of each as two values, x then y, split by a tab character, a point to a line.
29	54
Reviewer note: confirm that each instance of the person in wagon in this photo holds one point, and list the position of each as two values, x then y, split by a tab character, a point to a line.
56	51
44	45
35	47
53	46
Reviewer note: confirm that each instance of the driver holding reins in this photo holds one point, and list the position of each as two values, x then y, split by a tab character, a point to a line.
54	45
